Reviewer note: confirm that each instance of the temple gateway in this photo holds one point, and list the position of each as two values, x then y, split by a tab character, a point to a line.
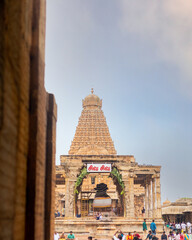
93	178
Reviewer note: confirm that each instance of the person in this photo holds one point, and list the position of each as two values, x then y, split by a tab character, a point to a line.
153	227
63	212
164	236
155	238
136	235
144	228
183	226
71	235
143	211
149	236
58	214
97	216
56	236
119	236
173	226
129	236
62	237
186	236
171	235
90	238
178	227
122	234
188	227
100	216
55	214
181	236
177	236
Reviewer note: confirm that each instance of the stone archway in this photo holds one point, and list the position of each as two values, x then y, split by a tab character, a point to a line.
115	190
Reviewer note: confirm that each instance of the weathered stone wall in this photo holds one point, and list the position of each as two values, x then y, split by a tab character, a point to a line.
23	122
139	203
59	195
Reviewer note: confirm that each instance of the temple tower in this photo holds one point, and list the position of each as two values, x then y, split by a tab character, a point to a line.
92	135
92	160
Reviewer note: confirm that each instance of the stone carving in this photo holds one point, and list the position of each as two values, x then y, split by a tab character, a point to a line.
92	135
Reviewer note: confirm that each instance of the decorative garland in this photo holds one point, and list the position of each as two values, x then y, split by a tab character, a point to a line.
80	179
115	174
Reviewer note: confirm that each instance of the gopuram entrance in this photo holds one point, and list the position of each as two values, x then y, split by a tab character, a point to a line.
92	160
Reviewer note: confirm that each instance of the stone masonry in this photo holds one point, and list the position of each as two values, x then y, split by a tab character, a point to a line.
27	125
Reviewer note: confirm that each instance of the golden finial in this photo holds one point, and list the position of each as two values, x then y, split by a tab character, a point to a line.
92	90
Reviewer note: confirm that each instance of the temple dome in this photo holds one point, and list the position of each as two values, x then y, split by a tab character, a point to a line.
167	202
92	100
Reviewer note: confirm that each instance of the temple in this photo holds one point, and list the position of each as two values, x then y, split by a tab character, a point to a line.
178	211
92	160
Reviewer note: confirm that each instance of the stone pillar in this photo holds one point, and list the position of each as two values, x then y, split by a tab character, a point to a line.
146	200
70	195
153	198
69	198
131	196
129	210
149	199
158	196
126	197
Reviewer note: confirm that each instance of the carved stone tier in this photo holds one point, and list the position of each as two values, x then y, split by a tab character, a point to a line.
92	135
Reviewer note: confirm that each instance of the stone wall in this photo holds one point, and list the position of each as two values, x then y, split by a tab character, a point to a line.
25	112
139	203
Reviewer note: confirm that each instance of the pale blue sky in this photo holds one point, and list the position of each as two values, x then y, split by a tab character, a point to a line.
137	55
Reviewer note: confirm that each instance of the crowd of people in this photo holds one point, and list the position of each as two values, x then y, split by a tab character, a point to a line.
179	227
178	231
63	237
62	214
99	216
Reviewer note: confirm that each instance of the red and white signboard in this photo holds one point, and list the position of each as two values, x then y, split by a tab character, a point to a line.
99	167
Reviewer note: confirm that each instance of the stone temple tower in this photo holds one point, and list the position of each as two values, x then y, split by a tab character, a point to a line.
92	160
92	135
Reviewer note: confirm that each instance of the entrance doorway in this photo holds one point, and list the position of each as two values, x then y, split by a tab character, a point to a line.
86	195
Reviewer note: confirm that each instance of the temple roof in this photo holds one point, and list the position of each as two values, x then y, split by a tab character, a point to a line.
167	202
92	135
92	101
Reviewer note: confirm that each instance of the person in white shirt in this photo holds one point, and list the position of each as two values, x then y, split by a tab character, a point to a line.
188	227
183	226
56	236
177	236
179	226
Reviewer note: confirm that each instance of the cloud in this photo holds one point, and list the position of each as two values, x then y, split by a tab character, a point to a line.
167	26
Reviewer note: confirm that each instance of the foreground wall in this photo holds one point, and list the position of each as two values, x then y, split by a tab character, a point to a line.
27	124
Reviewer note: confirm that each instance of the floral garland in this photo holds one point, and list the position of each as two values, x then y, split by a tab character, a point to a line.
82	174
115	174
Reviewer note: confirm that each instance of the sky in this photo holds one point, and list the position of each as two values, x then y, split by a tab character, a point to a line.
137	55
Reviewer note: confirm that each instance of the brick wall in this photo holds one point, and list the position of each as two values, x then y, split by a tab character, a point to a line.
24	115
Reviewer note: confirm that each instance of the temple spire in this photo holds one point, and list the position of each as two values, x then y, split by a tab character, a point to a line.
92	135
